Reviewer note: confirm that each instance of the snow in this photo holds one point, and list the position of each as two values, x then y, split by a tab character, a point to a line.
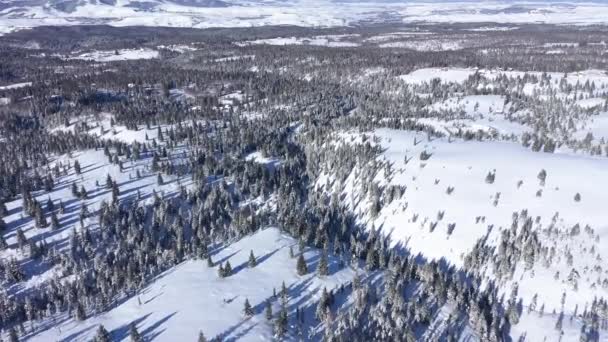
180	48
95	167
328	41
596	125
233	58
447	75
483	112
191	297
396	35
258	157
464	166
318	13
494	28
425	45
15	86
591	103
117	55
460	75
116	132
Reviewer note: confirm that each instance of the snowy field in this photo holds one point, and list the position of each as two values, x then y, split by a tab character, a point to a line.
448	206
328	41
117	55
325	13
15	86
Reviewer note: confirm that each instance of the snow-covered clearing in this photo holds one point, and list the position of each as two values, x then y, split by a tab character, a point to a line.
328	41
425	45
102	127
258	157
460	75
15	86
117	55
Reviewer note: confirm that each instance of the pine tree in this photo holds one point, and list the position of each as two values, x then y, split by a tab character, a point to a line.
201	337
115	192
75	192
248	310
268	312
134	334
323	267
280	323
83	192
3	210
102	334
252	260
80	314
40	218
159	179
227	269
54	222
77	167
301	266
12	335
322	305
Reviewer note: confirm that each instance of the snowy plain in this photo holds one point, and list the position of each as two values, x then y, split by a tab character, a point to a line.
324	13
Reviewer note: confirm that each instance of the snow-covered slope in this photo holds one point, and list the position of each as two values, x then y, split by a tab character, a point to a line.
244	13
450	203
192	297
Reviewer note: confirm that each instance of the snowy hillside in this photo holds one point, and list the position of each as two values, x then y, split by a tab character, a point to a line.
192	297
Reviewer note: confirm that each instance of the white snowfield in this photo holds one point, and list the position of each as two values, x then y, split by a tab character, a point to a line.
328	41
477	209
117	55
460	75
15	86
191	297
247	13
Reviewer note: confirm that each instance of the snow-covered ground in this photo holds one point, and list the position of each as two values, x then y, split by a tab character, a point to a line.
247	13
329	41
117	55
15	86
425	45
460	75
439	223
192	297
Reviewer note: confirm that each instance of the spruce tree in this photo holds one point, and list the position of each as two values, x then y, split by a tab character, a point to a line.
102	334
134	334
77	167
227	269
12	335
323	267
301	266
268	311
280	324
248	310
252	260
